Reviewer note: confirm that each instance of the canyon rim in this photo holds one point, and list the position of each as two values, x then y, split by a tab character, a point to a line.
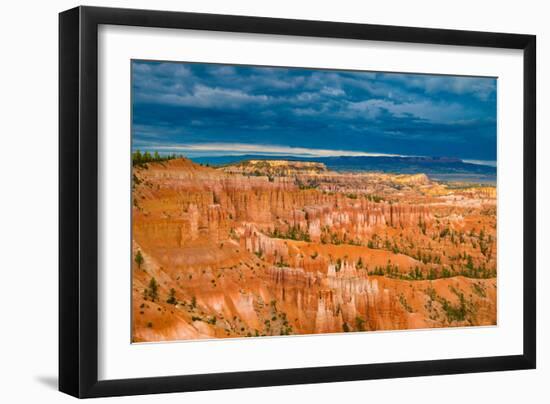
280	201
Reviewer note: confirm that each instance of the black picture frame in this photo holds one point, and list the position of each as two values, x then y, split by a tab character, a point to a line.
78	201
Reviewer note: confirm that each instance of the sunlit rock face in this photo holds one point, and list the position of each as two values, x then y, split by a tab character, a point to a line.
280	248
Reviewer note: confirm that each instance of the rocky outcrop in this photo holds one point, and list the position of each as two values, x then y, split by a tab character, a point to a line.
210	200
275	168
301	250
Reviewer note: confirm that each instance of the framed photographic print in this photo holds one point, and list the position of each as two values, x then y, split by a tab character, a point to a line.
251	201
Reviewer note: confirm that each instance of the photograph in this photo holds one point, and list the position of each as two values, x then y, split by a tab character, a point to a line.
244	202
279	201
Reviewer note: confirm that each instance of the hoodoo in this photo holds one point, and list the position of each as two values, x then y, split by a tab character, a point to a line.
274	247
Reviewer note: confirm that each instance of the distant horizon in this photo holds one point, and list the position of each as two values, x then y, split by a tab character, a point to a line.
182	151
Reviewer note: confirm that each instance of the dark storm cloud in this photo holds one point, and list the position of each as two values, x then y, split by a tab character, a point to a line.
179	105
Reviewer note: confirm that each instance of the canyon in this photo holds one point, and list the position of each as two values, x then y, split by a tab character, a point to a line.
276	248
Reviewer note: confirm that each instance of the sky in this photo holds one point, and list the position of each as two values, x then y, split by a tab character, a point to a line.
199	109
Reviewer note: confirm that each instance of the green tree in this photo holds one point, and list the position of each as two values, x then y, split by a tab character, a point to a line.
137	157
172	297
470	263
359	324
139	259
153	289
418	273
432	274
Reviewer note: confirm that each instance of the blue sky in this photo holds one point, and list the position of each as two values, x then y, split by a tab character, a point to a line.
205	109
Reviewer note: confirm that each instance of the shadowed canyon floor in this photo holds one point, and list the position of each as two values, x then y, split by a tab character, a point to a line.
278	248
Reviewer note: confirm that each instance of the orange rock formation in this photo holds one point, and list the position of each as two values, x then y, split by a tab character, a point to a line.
280	248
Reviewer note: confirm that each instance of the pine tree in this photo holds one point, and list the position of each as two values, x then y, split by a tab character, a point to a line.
153	289
139	259
137	157
359	324
172	297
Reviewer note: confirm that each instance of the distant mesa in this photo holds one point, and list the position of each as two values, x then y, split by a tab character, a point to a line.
277	168
438	168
